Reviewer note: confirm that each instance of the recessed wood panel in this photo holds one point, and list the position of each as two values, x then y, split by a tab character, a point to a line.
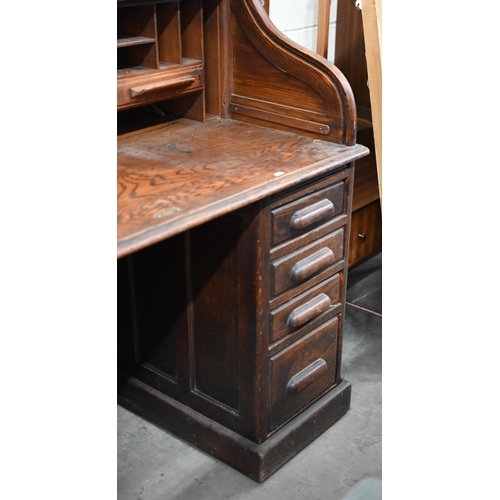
302	371
214	268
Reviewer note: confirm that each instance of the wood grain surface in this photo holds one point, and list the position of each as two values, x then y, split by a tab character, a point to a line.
188	172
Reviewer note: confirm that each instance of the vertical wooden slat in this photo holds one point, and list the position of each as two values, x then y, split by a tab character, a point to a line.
372	28
323	27
169	32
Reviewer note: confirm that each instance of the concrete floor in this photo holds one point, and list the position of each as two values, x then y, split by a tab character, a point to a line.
154	465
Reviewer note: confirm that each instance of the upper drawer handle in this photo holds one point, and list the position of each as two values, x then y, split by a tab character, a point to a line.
143	89
307	375
309	310
311	214
312	264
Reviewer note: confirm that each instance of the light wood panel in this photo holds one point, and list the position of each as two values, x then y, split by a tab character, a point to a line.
323	27
372	28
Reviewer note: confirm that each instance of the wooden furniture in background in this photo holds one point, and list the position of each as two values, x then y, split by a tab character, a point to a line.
372	30
323	27
235	164
350	58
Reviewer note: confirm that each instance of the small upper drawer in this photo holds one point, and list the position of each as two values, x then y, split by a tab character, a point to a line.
302	372
307	308
309	261
306	213
158	85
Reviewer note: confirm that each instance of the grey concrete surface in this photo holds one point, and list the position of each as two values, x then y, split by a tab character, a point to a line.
154	465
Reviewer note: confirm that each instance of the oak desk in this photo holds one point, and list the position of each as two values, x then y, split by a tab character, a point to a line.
233	231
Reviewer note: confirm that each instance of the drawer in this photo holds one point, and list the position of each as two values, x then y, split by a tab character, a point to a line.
309	307
302	372
156	86
307	262
307	212
366	232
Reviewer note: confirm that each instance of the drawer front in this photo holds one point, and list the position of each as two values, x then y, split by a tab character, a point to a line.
306	213
157	86
366	232
309	307
307	262
302	372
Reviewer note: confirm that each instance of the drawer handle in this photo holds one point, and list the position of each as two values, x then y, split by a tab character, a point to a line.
309	310
306	376
312	264
311	214
153	87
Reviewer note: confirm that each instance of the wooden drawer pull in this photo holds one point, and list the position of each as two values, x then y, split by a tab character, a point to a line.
311	214
312	264
153	87
311	309
306	376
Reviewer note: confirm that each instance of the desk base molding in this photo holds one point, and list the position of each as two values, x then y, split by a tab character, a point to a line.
258	462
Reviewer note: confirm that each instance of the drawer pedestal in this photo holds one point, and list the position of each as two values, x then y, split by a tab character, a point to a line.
230	333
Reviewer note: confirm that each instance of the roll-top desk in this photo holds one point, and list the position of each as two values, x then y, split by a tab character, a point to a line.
235	168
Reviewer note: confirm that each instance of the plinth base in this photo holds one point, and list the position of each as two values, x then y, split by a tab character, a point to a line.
258	462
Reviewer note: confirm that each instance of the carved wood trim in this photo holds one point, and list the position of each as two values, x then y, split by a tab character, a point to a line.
323	77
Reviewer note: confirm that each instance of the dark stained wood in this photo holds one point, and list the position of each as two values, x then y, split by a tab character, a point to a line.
169	33
366	232
190	106
311	214
289	122
191	172
287	370
365	179
214	278
280	324
160	305
309	310
308	188
258	462
137	21
191	17
183	81
171	64
313	234
350	57
270	69
312	264
235	165
216	56
307	213
133	40
125	319
350	50
164	84
307	376
302	265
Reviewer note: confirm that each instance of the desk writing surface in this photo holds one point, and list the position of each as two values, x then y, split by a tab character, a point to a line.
175	177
